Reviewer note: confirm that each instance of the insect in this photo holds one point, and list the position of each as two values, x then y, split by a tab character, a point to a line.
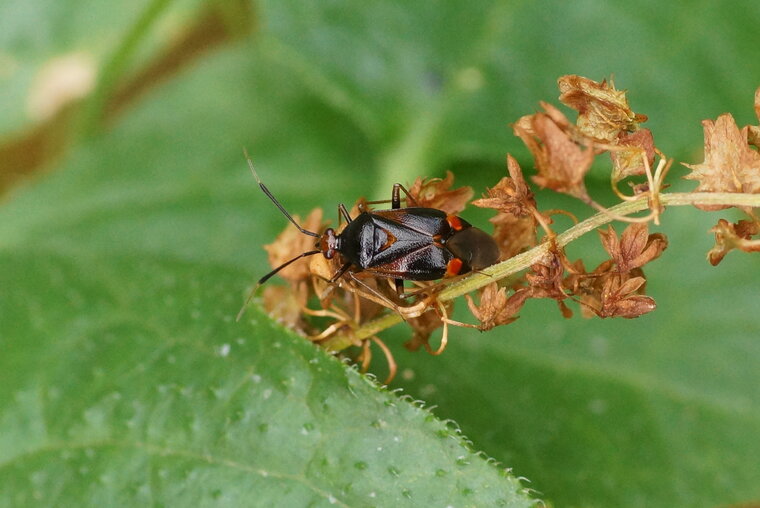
411	243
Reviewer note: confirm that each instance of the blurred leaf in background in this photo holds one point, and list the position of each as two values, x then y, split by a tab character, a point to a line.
130	229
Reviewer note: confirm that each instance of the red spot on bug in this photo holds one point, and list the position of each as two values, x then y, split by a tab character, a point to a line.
453	267
455	222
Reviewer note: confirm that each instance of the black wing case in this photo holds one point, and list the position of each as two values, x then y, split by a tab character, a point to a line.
405	233
427	221
425	263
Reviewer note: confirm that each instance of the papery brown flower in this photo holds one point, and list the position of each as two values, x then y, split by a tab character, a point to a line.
587	287
615	288
290	243
753	134
561	163
515	224
423	326
546	281
628	161
513	234
603	111
733	236
285	305
620	297
495	308
635	248
437	193
511	195
730	165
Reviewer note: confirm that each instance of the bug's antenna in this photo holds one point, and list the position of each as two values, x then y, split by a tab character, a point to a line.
274	200
267	277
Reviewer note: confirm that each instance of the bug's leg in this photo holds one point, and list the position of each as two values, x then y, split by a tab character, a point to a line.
340	272
376	296
362	206
396	196
399	287
343	214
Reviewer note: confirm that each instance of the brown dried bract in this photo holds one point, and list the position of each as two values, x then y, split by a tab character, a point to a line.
511	195
423	326
495	308
291	243
606	292
513	234
285	305
587	287
753	136
621	297
635	248
733	236
730	165
603	111
561	163
616	287
437	193
629	161
515	224
546	280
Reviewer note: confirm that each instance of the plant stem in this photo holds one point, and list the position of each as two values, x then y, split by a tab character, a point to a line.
526	259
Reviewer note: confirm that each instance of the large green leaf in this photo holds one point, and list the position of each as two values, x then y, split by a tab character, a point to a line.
124	376
124	380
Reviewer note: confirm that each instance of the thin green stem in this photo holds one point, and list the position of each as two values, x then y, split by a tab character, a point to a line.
526	259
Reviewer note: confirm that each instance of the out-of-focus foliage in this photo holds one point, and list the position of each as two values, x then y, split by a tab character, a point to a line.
127	250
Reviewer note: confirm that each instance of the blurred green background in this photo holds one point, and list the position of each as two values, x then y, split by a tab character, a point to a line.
130	229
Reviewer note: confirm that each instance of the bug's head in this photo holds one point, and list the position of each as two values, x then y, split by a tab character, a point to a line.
328	243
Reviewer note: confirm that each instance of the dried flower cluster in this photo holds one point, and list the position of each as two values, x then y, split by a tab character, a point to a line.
353	310
731	165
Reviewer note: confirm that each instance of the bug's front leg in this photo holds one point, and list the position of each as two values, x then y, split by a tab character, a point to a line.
337	275
343	214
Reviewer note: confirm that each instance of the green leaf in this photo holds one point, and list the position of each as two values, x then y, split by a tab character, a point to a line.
123	379
126	380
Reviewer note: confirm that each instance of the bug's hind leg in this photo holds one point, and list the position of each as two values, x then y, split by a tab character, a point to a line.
373	294
396	203
399	287
396	196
